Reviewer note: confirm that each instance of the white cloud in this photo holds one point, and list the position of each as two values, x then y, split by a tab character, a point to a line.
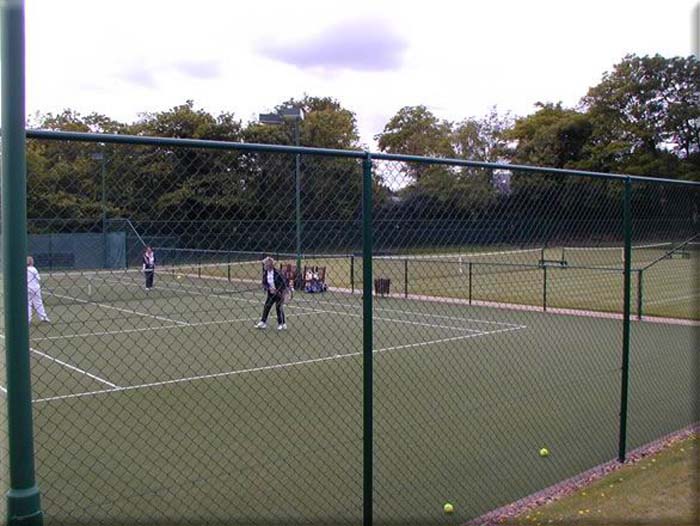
370	44
128	57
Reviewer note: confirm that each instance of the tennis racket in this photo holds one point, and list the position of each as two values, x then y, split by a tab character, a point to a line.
288	294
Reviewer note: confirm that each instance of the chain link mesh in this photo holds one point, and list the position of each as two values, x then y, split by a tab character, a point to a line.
497	323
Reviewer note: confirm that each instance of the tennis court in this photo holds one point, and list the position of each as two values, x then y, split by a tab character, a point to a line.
174	396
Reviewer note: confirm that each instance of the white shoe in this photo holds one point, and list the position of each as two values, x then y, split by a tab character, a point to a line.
46	320
261	325
282	327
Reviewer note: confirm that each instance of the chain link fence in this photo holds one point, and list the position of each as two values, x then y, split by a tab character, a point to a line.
496	323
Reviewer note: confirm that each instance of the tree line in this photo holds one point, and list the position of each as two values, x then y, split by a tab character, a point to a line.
642	118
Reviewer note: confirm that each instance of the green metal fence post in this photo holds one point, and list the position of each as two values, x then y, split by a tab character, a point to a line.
367	431
627	221
23	497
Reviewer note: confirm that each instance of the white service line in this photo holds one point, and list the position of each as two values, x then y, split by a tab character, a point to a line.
432	342
672	300
295	305
129	311
160	327
269	367
104	333
72	367
417	313
487	322
352	315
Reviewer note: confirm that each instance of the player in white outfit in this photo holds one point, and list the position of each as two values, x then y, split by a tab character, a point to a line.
34	292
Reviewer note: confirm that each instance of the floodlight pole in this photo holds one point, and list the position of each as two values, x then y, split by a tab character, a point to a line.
297	198
100	156
296	115
23	497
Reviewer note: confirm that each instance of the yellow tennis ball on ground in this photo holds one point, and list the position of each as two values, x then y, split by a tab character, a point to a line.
179	276
448	507
544	452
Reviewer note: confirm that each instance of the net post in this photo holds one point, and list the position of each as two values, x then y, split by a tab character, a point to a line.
367	341
352	273
624	388
405	278
470	282
544	287
228	266
51	258
640	293
23	496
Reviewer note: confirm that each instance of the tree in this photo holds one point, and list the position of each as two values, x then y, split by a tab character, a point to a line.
182	184
552	136
414	130
646	106
63	178
330	186
484	139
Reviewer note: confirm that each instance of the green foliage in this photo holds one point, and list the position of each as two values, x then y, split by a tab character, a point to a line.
552	136
643	118
185	122
483	139
414	130
646	108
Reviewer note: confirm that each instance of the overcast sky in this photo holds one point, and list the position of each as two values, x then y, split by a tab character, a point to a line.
459	58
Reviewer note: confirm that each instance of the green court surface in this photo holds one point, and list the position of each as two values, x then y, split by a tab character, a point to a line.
147	404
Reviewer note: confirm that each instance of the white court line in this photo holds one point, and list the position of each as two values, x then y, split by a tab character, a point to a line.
119	309
3	389
353	315
286	365
421	344
159	328
72	367
671	300
487	322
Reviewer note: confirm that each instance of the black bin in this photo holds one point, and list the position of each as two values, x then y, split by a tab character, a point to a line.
382	286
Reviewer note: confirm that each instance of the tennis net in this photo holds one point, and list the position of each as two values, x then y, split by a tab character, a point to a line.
445	265
615	256
63	288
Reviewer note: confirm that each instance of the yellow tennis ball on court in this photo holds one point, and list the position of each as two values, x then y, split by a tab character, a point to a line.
448	508
544	452
179	276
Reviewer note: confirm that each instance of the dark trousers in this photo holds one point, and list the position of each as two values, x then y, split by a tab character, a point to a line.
150	275
277	300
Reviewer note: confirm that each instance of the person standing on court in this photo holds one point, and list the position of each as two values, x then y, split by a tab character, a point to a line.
275	285
34	300
149	267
